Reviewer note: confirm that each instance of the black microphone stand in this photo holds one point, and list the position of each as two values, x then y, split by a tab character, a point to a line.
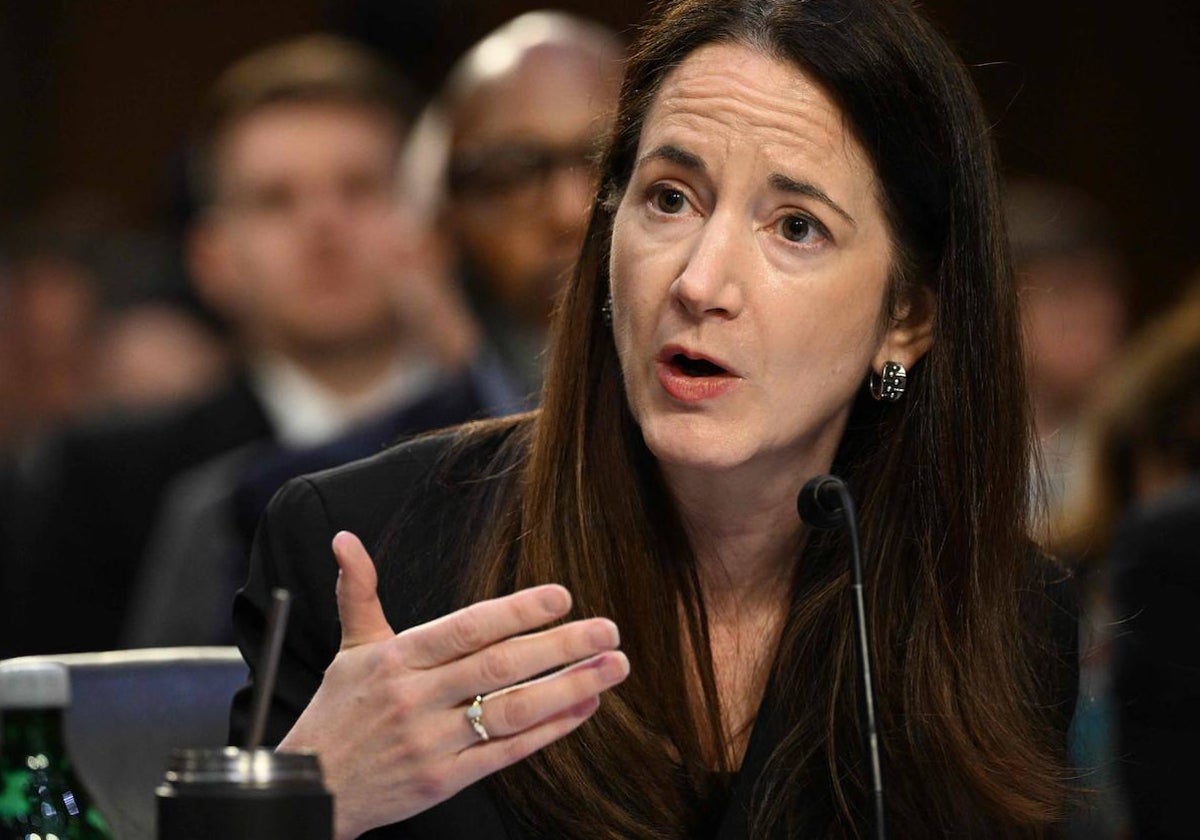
825	502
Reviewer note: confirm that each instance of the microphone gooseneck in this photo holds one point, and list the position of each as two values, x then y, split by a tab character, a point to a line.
825	503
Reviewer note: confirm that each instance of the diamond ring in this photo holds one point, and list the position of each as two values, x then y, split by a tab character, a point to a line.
475	717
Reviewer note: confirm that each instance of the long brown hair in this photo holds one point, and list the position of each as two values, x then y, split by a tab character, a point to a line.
954	585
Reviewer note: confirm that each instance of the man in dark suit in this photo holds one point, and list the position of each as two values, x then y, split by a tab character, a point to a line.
303	247
509	185
503	163
1155	565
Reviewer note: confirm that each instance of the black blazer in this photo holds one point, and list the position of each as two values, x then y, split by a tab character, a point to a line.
292	551
410	502
198	554
83	512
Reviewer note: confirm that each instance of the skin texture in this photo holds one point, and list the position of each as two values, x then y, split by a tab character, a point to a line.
388	720
704	259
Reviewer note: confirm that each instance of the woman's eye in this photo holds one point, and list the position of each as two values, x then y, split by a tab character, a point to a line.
800	229
669	200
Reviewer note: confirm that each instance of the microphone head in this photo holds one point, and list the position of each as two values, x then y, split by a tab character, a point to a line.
819	503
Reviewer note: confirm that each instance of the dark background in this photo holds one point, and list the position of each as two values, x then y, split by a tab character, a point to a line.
98	95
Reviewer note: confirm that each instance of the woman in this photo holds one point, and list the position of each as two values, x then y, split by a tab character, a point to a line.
798	197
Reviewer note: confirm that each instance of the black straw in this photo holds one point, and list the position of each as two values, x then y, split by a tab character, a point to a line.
281	601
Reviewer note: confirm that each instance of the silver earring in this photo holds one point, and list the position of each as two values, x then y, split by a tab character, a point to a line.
606	309
889	385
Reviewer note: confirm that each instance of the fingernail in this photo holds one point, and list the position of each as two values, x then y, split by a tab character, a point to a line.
555	599
614	666
604	634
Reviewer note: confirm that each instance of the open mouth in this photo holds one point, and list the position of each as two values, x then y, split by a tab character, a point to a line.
688	366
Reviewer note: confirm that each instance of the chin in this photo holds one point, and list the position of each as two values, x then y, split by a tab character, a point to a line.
693	444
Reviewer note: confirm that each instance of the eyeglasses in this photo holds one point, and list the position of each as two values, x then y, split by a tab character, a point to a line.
505	170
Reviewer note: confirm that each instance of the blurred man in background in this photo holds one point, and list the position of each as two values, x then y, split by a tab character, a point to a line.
90	323
47	323
503	164
1071	282
1127	535
303	248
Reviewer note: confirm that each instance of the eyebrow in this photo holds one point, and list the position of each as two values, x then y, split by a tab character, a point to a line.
782	183
790	185
673	154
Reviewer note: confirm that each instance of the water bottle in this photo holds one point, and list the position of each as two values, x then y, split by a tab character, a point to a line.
40	796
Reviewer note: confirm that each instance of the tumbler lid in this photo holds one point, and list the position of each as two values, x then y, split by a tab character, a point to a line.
28	683
244	768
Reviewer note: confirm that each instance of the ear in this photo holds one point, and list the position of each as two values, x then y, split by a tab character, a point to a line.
910	331
209	255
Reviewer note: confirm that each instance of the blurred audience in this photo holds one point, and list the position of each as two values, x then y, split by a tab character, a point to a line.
504	163
1139	716
153	354
302	247
1142	434
526	108
51	305
1073	306
88	325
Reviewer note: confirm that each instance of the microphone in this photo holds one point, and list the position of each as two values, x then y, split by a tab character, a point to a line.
825	503
820	502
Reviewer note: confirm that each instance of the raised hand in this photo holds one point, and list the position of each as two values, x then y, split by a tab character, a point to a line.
390	718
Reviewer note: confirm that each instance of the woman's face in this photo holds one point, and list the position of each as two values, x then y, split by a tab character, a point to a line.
749	267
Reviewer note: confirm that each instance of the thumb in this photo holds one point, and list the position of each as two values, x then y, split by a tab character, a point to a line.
359	609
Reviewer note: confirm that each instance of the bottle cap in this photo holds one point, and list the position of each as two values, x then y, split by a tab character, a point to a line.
32	684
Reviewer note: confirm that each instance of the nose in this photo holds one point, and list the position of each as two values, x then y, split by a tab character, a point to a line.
710	283
323	212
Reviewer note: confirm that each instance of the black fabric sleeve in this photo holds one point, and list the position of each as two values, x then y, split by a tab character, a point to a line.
291	550
400	498
409	511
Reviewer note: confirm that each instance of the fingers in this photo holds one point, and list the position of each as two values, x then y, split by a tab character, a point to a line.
475	627
510	712
359	609
494	755
516	709
522	720
523	657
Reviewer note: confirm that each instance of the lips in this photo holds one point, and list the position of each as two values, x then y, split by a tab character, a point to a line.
690	376
693	362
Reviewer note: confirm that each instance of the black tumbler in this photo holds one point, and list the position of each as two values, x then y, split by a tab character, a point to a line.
238	794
